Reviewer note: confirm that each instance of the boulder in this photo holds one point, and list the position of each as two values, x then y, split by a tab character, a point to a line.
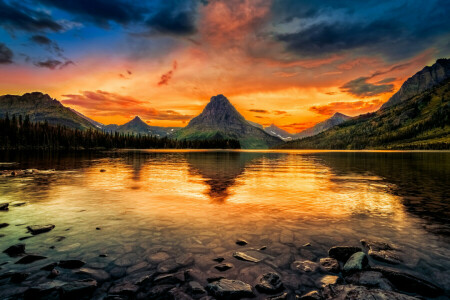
30	258
382	251
329	264
351	292
356	262
78	289
269	283
230	289
224	267
15	250
342	253
304	266
38	229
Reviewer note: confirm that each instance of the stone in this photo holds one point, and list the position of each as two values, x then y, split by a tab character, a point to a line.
304	266
214	278
71	264
137	267
159	291
196	288
123	288
382	251
269	283
78	289
342	253
224	267
19	277
2	225
370	279
49	267
250	255
25	238
46	290
409	283
38	229
283	296
329	280
30	258
53	274
262	248
185	260
158	257
219	259
351	292
356	262
15	250
313	295
241	242
230	289
178	294
97	274
174	278
4	206
330	265
168	266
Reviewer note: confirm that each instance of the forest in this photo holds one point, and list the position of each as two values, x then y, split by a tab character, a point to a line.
19	133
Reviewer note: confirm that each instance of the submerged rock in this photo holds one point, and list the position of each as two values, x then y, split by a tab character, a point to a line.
356	262
78	289
230	289
343	253
15	250
269	283
123	288
2	225
37	229
369	279
97	274
224	267
219	259
196	288
19	277
245	256
47	290
241	242
382	251
174	278
282	296
71	264
178	294
351	292
330	264
329	280
4	206
313	295
304	266
30	258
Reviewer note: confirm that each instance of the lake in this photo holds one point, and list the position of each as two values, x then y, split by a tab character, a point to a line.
139	212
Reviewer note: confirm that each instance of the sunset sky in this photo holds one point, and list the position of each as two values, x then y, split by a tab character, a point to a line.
290	62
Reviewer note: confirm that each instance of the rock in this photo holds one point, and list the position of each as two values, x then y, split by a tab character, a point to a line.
343	253
230	289
304	266
37	229
4	206
97	274
195	288
123	288
168	266
2	225
286	237
159	292
15	250
219	259
174	278
49	267
409	283
71	264
250	255
103	255
351	292
53	274
47	290
178	294
369	279
158	257
126	260
382	251
137	267
329	264
117	272
269	283
241	242
185	260
283	296
30	258
223	267
19	277
19	204
25	238
262	248
313	295
215	278
356	262
329	280
78	289
98	228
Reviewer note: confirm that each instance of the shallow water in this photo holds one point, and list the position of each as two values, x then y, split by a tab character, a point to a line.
200	202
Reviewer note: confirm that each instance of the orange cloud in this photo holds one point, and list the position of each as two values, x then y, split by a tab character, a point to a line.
165	78
351	108
297	127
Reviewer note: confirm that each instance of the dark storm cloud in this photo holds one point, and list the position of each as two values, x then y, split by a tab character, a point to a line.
361	88
173	20
394	29
53	64
18	17
6	54
47	43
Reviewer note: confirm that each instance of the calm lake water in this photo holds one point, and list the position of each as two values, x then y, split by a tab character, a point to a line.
199	203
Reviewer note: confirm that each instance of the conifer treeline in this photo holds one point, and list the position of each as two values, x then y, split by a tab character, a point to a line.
20	133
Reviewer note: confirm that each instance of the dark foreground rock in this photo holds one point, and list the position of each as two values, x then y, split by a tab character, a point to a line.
409	283
343	253
30	258
382	251
78	289
71	264
370	279
2	225
224	267
15	250
356	262
47	290
4	206
269	283
330	264
230	289
351	292
241	242
38	229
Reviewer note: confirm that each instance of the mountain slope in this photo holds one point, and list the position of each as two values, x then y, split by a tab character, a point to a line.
423	80
422	122
278	132
41	107
336	119
137	126
220	120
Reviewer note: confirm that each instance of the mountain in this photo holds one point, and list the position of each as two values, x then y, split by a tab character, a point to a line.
336	119
422	122
41	107
137	126
255	124
220	120
278	132
423	80
95	123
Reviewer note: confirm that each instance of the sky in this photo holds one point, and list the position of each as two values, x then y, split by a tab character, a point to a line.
289	62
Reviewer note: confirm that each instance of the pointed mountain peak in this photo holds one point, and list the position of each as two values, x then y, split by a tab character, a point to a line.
338	115
137	119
